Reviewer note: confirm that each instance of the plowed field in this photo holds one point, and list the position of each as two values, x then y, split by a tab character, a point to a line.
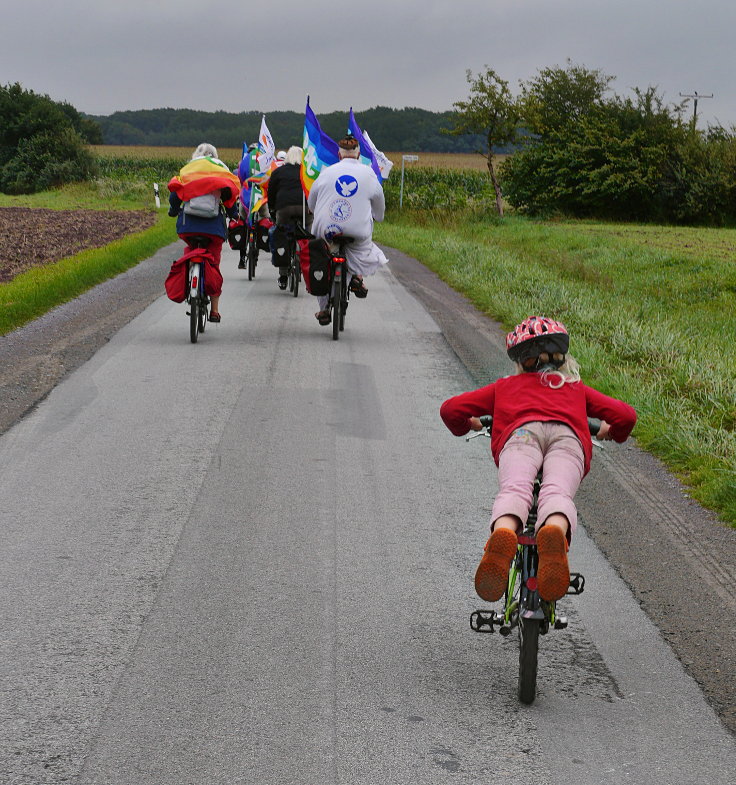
32	237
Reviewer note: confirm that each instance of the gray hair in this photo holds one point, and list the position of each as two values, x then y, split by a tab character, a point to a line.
343	153
205	150
294	155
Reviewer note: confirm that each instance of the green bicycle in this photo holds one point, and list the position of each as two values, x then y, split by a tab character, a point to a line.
523	608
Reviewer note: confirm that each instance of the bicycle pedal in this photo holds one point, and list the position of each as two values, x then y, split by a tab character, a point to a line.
561	623
483	621
577	583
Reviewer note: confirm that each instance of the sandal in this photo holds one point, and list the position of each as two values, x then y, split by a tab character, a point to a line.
358	288
214	316
323	317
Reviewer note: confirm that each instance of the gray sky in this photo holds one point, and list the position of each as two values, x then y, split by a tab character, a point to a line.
236	55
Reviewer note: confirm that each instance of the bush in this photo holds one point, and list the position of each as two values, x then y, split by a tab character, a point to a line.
42	142
47	159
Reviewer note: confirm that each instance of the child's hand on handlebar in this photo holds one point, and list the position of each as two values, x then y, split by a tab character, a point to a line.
604	433
475	424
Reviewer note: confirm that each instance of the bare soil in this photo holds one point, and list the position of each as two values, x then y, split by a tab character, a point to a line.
33	237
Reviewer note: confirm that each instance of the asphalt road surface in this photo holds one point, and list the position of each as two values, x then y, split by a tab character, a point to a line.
250	560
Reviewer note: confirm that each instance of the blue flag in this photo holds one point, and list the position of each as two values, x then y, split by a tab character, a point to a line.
367	156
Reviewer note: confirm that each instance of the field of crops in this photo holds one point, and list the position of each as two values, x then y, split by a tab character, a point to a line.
229	154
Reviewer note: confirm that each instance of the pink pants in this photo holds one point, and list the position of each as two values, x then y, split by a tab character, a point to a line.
554	446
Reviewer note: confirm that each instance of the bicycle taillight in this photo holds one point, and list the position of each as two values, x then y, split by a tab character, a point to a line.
338	259
194	282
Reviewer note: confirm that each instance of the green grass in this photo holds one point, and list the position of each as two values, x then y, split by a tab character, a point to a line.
33	293
650	312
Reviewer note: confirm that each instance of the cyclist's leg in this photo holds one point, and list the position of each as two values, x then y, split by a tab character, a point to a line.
563	472
323	315
519	463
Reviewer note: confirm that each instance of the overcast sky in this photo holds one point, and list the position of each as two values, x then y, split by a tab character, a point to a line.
238	55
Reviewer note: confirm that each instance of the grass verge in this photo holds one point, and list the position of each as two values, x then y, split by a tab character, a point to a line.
33	293
651	319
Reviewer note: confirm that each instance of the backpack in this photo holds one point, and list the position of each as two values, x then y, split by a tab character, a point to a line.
204	206
316	263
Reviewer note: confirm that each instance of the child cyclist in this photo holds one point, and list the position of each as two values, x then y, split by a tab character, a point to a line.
539	421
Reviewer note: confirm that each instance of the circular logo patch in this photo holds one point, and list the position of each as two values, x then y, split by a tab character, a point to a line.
346	185
340	210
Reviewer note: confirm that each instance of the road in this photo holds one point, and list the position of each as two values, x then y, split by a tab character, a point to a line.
250	561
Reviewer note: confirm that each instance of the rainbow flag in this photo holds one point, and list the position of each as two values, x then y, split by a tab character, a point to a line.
319	150
203	176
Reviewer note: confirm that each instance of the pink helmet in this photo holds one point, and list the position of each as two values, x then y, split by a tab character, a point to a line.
534	335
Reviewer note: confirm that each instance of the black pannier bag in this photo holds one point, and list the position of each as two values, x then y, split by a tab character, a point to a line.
316	263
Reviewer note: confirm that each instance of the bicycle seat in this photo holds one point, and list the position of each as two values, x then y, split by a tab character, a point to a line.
198	241
343	238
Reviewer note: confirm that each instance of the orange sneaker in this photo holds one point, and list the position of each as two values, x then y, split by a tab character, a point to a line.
553	573
492	574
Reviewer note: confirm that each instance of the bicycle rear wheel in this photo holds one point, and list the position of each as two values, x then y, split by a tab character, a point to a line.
528	650
252	255
203	309
344	303
193	320
337	292
296	272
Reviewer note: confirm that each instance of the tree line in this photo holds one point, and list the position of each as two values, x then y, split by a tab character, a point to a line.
408	129
590	153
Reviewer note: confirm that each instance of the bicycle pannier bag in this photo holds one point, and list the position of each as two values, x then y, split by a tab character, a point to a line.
204	206
280	245
264	226
237	234
316	263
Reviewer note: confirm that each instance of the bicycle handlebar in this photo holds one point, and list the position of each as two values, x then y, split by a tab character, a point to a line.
486	421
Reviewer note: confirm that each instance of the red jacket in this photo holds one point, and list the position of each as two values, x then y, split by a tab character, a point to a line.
516	400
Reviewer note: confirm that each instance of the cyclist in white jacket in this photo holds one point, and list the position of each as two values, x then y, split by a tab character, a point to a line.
347	198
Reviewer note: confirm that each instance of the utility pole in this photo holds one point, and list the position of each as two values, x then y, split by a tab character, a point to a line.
695	98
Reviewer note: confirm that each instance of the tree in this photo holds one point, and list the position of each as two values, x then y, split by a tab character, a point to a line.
492	111
559	97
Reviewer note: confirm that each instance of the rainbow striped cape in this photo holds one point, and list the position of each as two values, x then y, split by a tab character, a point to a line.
202	176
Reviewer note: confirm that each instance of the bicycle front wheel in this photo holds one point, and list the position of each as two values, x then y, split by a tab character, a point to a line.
528	650
194	320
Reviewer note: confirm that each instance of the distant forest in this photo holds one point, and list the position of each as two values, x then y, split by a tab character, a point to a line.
409	129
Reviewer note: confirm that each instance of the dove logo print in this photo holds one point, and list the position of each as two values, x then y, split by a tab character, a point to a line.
340	210
346	185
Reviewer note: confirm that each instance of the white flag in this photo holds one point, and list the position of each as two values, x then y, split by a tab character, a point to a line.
383	163
266	147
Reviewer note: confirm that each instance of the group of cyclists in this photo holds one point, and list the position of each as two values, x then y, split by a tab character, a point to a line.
345	199
539	412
